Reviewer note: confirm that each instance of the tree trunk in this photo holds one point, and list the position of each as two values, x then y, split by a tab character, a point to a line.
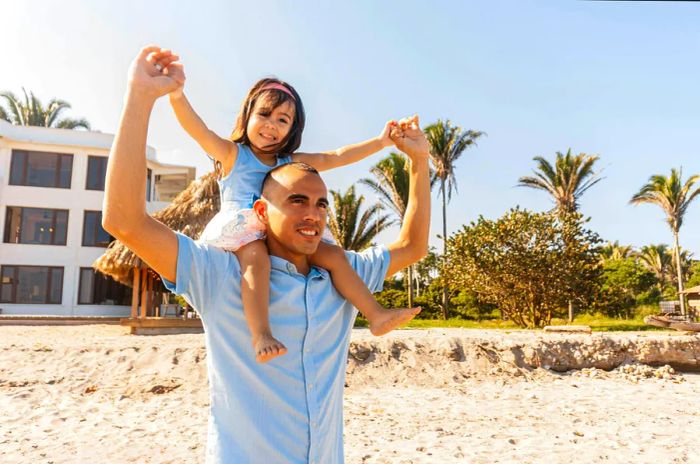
445	302
417	281
679	270
571	311
410	286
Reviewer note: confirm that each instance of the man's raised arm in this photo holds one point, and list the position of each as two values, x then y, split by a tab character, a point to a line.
124	209
412	243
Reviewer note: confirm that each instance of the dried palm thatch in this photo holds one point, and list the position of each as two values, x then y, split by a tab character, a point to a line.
189	213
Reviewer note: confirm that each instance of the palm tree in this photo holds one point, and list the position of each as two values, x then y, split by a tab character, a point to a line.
352	230
569	178
673	197
390	183
686	263
614	251
31	112
447	143
657	260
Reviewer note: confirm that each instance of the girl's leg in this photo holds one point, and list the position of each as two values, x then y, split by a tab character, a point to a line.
255	293
353	289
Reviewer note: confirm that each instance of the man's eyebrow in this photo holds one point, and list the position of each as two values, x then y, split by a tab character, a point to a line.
301	196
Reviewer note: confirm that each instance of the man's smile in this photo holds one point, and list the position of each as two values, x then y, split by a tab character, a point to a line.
308	231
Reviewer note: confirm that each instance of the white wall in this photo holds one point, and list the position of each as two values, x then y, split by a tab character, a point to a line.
73	255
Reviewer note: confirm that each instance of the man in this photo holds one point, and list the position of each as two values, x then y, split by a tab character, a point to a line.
289	410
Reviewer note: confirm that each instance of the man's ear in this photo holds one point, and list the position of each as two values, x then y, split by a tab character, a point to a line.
260	208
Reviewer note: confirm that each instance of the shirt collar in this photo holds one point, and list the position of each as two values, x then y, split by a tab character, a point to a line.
281	264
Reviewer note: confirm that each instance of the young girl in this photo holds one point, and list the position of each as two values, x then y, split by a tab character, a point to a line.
267	133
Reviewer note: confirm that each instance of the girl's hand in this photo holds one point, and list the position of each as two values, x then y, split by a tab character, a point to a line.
385	136
177	72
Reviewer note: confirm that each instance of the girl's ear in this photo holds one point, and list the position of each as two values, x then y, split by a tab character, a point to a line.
260	208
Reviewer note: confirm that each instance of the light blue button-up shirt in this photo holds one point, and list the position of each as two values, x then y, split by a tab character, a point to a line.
290	409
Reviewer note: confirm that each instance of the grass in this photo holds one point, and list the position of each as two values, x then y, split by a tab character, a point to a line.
597	322
461	323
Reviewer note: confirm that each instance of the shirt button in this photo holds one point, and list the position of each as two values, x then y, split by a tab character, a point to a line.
290	267
311	385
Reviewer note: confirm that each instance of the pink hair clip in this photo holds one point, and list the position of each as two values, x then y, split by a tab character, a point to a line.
278	86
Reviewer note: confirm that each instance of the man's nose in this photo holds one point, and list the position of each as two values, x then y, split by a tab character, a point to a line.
314	213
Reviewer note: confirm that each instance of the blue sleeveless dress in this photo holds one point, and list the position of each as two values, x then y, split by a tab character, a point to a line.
236	224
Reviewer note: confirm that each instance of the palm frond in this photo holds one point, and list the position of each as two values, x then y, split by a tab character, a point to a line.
15	107
670	194
67	123
566	180
54	108
447	144
350	229
31	112
391	183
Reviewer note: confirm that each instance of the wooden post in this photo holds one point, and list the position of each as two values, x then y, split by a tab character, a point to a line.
135	293
149	295
144	292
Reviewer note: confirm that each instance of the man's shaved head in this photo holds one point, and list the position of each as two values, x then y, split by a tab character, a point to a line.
268	181
294	210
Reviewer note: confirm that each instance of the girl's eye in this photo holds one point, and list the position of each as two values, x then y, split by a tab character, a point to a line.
284	121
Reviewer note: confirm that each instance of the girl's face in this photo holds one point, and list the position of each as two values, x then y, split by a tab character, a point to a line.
268	127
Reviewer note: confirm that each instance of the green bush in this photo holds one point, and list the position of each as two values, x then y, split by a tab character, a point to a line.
625	284
392	298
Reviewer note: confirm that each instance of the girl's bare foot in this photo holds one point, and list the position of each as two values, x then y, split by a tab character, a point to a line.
389	319
267	347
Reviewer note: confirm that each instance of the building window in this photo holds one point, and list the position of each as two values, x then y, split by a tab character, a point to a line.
41	169
98	289
31	284
97	169
93	233
36	226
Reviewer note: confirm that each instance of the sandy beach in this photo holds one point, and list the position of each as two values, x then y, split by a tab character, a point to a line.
77	394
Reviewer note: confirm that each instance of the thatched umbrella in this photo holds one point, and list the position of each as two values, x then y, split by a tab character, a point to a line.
188	213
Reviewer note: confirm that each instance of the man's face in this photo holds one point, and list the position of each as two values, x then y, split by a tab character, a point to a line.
297	211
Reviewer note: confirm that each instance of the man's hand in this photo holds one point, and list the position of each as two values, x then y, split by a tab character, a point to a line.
410	139
154	72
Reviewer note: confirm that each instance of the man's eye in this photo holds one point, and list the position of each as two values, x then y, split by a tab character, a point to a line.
323	205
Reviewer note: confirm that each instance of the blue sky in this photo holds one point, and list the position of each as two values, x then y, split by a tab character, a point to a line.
617	79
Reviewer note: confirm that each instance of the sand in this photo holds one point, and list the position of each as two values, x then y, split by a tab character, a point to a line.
85	394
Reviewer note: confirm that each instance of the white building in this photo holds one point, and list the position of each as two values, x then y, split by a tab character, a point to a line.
51	190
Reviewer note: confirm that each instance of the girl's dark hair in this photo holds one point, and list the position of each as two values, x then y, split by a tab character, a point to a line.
271	98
